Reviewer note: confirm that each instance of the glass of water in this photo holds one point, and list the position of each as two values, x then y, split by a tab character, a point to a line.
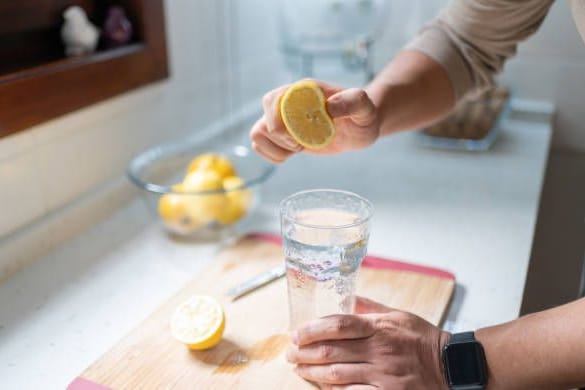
325	236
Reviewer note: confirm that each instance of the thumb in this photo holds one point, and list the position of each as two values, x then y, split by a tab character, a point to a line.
353	103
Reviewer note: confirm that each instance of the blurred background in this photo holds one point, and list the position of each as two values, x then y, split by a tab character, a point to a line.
225	54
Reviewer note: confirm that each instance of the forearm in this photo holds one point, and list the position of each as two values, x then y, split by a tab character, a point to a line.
545	350
411	91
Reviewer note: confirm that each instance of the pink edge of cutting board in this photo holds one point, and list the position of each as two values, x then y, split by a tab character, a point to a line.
374	261
83	384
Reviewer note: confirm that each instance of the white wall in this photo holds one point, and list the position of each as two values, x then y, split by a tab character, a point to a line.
46	167
551	66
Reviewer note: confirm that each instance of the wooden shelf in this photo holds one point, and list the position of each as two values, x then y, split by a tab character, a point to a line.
41	84
65	64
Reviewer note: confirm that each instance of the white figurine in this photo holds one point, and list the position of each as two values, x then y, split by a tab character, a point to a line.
79	35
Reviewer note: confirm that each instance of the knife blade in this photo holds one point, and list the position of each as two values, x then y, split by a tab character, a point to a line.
256	282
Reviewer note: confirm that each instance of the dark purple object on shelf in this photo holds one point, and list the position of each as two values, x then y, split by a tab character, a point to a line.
117	27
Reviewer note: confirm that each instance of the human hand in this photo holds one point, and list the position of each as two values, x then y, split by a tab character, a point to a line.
380	348
354	115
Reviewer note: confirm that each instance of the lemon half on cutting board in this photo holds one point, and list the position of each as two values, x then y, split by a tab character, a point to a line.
198	323
305	117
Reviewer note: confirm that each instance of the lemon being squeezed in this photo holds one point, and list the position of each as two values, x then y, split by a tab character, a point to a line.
305	116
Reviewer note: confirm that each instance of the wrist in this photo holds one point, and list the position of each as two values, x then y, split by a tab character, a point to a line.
484	336
440	367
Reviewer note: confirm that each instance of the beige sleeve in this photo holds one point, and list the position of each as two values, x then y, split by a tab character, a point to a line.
473	38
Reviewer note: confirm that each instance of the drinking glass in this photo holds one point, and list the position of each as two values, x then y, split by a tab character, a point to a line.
325	235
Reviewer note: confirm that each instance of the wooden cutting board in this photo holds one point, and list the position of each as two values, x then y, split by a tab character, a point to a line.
251	355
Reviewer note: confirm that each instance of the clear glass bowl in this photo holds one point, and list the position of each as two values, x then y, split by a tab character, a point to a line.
156	172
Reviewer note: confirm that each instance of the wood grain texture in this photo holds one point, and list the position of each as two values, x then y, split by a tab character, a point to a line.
38	84
251	354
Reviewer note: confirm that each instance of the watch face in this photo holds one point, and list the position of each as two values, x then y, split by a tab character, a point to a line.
464	364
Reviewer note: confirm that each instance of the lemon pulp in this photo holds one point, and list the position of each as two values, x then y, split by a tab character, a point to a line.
305	117
198	323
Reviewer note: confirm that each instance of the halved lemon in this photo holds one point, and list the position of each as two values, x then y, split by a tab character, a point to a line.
198	323
302	109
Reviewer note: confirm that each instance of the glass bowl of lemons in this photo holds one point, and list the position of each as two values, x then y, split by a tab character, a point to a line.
198	189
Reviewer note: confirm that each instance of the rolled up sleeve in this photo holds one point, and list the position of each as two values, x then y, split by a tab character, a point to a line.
472	39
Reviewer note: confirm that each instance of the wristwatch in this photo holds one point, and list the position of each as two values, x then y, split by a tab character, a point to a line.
464	362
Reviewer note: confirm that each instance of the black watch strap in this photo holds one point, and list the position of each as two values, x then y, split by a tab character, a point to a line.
464	338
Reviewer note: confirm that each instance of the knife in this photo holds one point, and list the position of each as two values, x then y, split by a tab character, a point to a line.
256	282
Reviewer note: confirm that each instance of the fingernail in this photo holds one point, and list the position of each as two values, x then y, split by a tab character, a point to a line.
291	143
288	355
295	337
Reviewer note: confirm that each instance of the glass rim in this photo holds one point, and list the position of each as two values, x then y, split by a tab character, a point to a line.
359	221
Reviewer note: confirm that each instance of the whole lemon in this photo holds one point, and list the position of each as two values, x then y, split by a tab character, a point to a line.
203	206
238	200
212	162
174	211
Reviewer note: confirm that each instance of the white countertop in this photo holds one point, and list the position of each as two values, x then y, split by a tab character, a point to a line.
472	214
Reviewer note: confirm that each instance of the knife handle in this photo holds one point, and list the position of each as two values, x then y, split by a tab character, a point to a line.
256	282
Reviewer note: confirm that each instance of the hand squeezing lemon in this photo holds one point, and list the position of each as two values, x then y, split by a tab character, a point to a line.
305	117
318	117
